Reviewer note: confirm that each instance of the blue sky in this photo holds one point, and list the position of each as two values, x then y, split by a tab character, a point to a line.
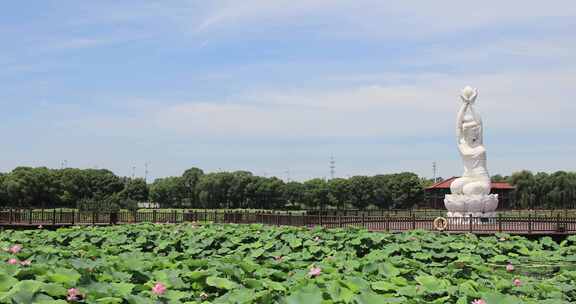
278	86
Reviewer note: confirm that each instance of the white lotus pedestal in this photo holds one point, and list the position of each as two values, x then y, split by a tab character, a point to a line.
461	207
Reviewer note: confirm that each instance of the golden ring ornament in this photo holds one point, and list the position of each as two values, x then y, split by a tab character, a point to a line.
440	223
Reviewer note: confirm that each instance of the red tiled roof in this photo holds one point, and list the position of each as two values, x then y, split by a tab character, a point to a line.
445	184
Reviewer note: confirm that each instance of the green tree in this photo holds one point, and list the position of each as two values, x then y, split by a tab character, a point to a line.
339	192
293	195
316	193
26	187
361	191
135	189
408	190
190	180
168	192
525	188
382	193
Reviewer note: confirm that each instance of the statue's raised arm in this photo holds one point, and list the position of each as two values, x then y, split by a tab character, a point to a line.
468	98
460	122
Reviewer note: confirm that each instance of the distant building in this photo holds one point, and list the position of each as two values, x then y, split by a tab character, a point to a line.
434	195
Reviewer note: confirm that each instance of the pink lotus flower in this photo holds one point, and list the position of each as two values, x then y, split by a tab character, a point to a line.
517	282
26	263
15	249
159	289
315	271
12	261
509	267
478	301
73	294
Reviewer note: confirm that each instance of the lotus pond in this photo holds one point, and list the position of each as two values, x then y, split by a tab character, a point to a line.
156	263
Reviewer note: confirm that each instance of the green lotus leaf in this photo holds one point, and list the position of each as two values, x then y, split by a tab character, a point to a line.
221	283
6	282
310	295
497	298
368	298
68	277
388	270
432	284
384	286
54	289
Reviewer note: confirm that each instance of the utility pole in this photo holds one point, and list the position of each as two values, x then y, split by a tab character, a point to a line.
332	167
434	170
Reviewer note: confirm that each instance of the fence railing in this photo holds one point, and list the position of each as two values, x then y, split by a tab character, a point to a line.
387	221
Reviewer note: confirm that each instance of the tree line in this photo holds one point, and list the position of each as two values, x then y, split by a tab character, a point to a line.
542	190
97	189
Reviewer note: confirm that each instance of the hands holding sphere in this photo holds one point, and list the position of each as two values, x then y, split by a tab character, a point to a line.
469	95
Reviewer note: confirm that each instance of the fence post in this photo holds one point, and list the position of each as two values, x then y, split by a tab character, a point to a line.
154	216
470	223
499	222
413	219
53	216
363	220
73	216
30	216
340	220
93	217
215	216
61	215
10	216
530	223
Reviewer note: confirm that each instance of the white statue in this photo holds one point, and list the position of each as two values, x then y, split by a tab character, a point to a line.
471	192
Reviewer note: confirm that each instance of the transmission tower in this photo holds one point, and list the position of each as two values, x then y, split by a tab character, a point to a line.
146	171
332	167
287	175
434	171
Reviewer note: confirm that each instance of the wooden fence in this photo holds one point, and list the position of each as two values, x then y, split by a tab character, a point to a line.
387	221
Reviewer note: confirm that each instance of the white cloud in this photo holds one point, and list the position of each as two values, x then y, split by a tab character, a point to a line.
512	102
405	18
